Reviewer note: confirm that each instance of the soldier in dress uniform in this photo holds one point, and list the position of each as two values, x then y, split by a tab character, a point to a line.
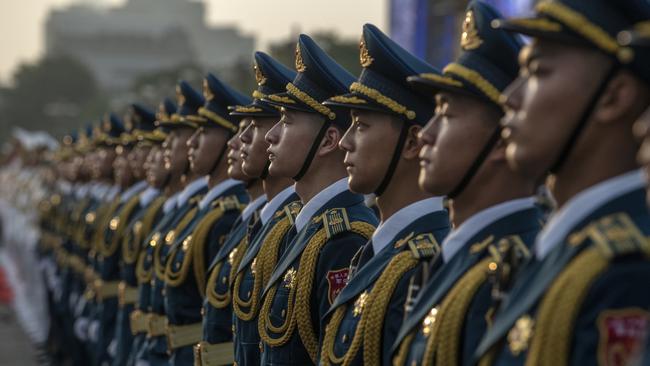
382	149
571	114
190	189
254	260
493	209
333	223
133	245
202	237
142	120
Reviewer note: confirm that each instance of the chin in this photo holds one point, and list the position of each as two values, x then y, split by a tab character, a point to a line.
359	187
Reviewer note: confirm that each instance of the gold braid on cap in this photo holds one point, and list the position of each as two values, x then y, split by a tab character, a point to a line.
217	119
541	24
244	109
311	102
258	94
475	79
347	100
442	79
585	27
380	98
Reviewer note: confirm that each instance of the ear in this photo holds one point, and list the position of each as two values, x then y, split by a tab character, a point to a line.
620	100
498	154
412	144
330	141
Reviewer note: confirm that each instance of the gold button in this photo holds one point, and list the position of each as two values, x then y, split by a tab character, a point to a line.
261	347
248	294
345	338
233	329
224	279
202	311
284	312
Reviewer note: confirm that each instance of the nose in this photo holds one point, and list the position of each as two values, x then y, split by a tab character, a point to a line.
512	95
271	136
346	143
429	134
192	142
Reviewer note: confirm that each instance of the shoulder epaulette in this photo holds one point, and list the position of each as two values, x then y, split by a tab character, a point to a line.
423	246
613	235
292	210
229	203
335	221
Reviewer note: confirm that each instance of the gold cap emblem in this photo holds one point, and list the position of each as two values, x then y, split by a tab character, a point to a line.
364	56
180	98
207	92
259	77
470	40
300	66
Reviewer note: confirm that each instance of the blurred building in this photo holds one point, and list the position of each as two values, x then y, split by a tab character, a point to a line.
121	43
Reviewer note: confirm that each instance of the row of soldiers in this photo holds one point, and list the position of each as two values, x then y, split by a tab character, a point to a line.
230	230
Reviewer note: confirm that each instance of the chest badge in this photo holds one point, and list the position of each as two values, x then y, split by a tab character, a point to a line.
520	335
289	280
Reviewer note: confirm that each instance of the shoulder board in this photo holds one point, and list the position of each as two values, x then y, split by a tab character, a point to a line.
614	235
228	203
423	246
291	211
335	221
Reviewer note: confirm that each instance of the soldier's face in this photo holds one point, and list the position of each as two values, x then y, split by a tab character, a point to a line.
290	140
642	133
123	174
254	145
156	172
136	159
369	144
545	103
453	139
104	162
235	162
204	147
176	150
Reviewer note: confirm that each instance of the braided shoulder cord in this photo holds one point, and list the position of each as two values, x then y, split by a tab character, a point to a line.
108	249
559	309
265	262
158	266
217	300
131	244
198	243
403	352
378	300
451	318
196	238
306	273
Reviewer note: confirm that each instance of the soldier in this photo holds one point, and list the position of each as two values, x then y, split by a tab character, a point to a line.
184	191
382	145
578	302
490	223
198	242
333	223
254	260
126	251
133	245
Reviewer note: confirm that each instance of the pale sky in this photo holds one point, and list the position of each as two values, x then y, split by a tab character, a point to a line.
21	34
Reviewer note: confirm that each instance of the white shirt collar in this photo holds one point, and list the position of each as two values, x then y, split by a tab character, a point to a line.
252	207
318	201
387	230
171	202
189	190
148	195
81	190
216	191
458	237
580	206
133	190
111	193
274	204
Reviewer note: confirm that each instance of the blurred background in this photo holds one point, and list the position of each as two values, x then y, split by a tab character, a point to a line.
67	62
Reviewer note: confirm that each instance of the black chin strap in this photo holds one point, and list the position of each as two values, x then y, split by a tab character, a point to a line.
265	171
219	157
394	159
586	114
480	159
312	152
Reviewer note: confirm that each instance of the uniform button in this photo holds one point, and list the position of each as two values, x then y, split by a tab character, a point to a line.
248	294
345	338
284	312
232	329
224	280
260	345
202	311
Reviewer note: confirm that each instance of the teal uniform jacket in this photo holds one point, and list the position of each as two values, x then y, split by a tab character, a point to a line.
108	258
129	250
600	316
394	266
248	283
217	309
412	341
308	278
183	299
